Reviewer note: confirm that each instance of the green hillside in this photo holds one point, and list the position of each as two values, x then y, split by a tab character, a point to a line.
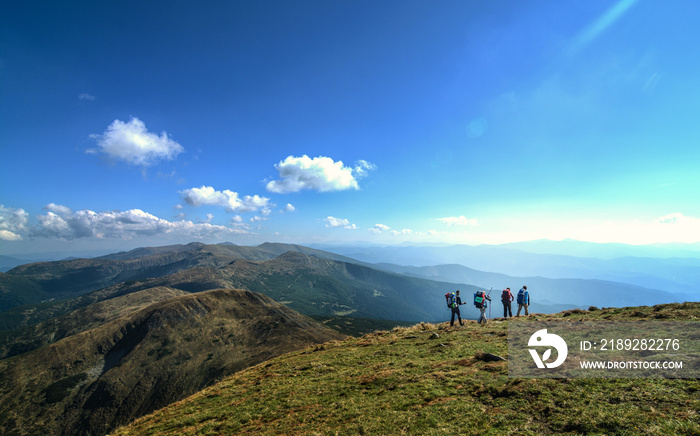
432	380
311	285
86	318
37	282
139	353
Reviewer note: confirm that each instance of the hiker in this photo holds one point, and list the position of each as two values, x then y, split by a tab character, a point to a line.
453	303
480	298
507	298
523	300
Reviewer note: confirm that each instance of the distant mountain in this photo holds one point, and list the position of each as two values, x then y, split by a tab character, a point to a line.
143	358
308	284
571	247
7	263
323	287
36	282
671	275
581	293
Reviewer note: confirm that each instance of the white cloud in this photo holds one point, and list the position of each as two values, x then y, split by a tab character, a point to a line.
6	235
132	143
86	96
362	167
378	228
208	196
401	232
115	224
12	223
319	174
459	221
678	218
289	208
58	209
332	222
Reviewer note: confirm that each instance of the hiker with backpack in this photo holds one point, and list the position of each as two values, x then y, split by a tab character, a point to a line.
453	302
480	298
523	300
507	298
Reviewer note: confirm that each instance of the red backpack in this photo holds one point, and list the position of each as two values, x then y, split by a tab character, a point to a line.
506	296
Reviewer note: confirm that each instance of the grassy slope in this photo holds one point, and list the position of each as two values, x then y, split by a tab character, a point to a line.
86	318
403	382
142	360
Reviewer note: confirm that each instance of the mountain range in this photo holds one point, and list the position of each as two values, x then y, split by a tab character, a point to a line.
87	345
675	275
323	283
309	284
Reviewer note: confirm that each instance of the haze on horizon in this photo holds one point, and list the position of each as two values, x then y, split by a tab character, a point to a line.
314	122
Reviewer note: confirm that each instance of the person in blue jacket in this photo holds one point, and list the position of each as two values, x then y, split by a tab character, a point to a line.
523	300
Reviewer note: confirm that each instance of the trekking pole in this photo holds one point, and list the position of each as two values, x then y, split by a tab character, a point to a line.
488	295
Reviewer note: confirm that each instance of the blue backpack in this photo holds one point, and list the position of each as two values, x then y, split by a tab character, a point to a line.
522	296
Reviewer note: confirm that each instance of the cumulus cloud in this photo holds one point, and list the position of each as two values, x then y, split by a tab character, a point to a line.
62	223
289	208
12	223
132	143
320	174
231	201
333	222
459	221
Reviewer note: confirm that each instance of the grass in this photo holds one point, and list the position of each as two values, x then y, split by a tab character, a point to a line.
408	381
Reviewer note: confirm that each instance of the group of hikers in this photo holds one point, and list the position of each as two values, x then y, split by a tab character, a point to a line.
480	302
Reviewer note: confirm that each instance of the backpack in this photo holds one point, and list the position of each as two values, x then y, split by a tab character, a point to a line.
479	299
521	296
506	296
450	299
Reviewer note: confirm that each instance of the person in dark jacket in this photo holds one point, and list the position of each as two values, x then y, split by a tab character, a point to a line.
455	310
507	298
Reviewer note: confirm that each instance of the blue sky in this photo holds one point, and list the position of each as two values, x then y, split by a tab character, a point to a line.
125	124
